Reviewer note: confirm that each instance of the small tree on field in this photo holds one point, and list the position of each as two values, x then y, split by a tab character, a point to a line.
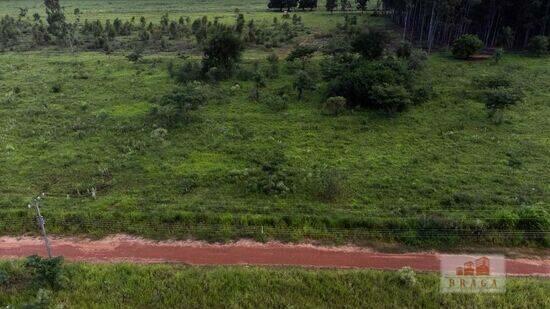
135	56
273	69
334	106
303	82
223	51
466	46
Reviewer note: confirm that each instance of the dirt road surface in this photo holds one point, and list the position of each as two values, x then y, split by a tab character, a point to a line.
125	248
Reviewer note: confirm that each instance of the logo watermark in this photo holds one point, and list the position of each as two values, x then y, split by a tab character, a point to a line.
473	274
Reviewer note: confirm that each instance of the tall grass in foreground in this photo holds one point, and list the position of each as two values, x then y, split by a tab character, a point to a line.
164	286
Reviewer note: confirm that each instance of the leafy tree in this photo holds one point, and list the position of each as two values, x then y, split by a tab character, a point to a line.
362	5
331	5
282	4
302	83
345	5
370	44
307	4
57	25
467	45
222	51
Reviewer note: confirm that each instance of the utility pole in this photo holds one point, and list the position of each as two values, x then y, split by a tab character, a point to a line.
36	204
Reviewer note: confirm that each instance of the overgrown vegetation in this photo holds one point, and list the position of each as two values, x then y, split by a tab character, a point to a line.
124	285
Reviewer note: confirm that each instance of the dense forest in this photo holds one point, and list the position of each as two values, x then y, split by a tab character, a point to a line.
508	23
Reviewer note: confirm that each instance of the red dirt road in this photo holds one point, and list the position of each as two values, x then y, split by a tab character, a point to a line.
125	248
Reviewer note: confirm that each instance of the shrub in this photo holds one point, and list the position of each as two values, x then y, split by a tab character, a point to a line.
273	69
386	85
492	81
334	106
56	88
499	54
407	276
538	45
417	59
175	107
47	272
4	277
467	45
187	72
404	50
329	185
391	98
370	44
135	55
301	52
500	98
276	103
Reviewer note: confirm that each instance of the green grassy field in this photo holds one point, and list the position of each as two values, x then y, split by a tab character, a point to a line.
135	286
438	174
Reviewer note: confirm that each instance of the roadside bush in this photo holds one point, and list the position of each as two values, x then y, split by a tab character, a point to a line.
334	106
271	177
407	276
536	221
371	45
46	272
4	277
539	45
466	46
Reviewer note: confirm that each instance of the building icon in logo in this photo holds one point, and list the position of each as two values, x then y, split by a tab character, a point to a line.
479	267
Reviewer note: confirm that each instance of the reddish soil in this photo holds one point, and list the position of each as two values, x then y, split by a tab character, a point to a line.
125	248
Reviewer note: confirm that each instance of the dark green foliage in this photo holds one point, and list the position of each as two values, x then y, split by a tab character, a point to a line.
223	51
4	277
362	4
56	88
334	106
135	56
417	60
303	82
46	272
187	72
301	52
271	177
371	45
501	98
307	4
331	5
539	45
282	4
466	46
9	31
276	103
404	50
273	66
329	185
386	85
174	108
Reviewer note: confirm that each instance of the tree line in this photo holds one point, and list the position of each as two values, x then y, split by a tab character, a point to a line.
506	23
